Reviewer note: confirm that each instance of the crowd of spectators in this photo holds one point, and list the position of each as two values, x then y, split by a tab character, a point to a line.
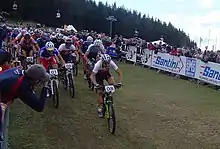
205	56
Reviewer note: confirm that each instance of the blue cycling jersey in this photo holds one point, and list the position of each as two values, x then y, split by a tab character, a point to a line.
43	53
7	80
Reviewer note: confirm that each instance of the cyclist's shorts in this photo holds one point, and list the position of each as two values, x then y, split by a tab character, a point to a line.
27	49
101	76
49	61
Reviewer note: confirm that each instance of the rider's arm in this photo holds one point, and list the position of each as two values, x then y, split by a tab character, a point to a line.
87	53
117	70
30	98
95	71
59	57
73	48
37	48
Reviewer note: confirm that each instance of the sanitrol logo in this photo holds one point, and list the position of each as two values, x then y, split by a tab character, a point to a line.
170	64
210	73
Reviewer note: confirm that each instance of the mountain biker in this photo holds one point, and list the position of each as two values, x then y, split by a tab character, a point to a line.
100	73
67	49
84	48
93	52
49	55
28	45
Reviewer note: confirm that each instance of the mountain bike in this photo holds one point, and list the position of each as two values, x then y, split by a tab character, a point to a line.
53	84
68	81
75	65
89	67
108	106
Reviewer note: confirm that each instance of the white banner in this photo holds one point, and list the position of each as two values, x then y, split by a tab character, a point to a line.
208	72
185	66
167	62
131	53
146	57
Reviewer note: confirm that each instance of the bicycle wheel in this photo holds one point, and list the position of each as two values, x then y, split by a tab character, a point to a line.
111	118
71	86
65	83
55	94
75	71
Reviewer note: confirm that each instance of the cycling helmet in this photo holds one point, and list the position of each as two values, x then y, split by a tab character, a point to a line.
49	46
37	72
23	31
106	58
98	42
59	36
69	41
89	39
27	36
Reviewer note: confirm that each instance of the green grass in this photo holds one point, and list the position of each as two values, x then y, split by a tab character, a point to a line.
152	110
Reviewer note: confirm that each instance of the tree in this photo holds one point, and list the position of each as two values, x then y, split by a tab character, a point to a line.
87	14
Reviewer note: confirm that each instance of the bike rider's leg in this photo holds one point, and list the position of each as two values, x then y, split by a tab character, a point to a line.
111	81
100	81
84	66
23	52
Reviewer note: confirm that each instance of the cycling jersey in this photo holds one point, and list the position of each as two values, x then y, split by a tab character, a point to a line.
42	42
64	48
43	53
10	77
46	58
85	46
65	52
93	51
99	66
27	43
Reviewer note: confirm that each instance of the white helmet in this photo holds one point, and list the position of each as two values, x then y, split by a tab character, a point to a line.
89	39
98	42
106	58
50	46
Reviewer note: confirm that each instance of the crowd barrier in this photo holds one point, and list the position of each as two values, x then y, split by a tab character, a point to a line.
180	65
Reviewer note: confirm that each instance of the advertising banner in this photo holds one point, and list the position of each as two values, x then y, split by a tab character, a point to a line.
131	53
208	72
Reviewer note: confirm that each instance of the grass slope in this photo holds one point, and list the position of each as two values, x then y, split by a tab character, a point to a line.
153	111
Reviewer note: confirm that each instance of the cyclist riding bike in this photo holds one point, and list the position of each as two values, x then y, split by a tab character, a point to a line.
28	45
43	40
83	50
19	37
67	49
49	55
58	40
93	52
100	73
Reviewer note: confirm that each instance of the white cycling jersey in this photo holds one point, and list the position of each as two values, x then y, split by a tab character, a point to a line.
98	66
63	47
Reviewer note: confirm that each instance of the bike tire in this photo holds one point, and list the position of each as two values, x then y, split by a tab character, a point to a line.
71	86
65	83
55	95
75	70
111	119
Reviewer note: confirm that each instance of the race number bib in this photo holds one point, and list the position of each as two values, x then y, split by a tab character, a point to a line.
30	59
53	72
110	88
68	65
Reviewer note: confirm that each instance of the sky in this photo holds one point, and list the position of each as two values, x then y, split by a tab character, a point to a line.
198	18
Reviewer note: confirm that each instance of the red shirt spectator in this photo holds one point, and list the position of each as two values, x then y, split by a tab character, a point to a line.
174	51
